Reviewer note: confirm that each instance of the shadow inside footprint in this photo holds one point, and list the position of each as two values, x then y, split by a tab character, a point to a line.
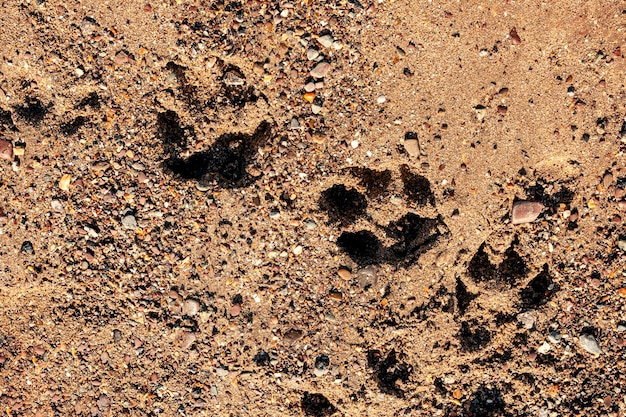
225	163
413	235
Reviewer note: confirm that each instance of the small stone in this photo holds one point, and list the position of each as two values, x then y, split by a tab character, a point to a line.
64	182
275	214
316	108
527	319
235	310
129	222
103	402
589	343
525	211
233	77
344	273
6	150
621	327
381	99
412	147
293	335
544	348
310	224
188	339
138	166
57	206
203	186
622	245
121	58
326	41
19	150
320	70
191	307
297	250
294	124
322	363
221	372
515	39
312	53
368	277
309	87
101	166
27	247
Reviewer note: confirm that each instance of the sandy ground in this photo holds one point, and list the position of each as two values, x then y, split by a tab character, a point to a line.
397	208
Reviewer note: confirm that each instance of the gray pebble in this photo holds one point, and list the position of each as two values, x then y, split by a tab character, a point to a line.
589	343
367	277
202	185
322	363
27	247
275	214
294	124
129	222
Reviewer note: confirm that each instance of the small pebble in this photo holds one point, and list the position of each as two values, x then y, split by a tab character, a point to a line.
544	348
191	307
129	222
188	339
233	78
316	108
297	250
310	224
6	150
275	214
381	99
412	147
344	274
57	206
309	87
27	247
312	53
526	211
221	372
203	186
326	41
64	182
322	363
235	310
589	343
367	277
320	70
527	319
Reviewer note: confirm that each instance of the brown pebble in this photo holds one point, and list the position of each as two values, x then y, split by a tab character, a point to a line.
344	273
515	39
502	110
235	310
526	211
6	150
335	295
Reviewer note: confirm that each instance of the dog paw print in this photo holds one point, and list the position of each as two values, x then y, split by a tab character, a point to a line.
365	236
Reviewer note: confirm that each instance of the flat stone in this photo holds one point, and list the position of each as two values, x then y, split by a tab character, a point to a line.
320	70
316	108
326	41
129	222
234	77
344	274
412	147
526	211
589	343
